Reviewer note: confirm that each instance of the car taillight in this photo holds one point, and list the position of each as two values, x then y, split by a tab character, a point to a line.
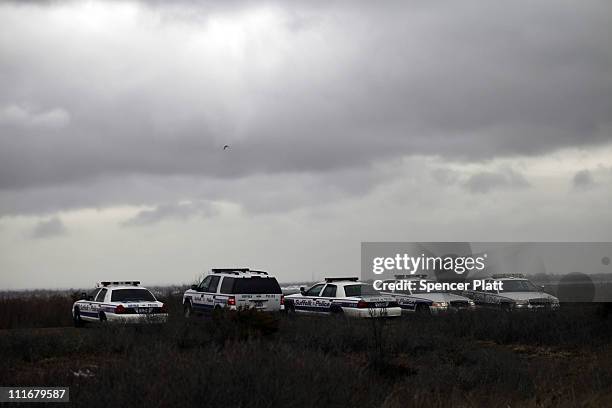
231	301
119	309
164	308
362	304
282	299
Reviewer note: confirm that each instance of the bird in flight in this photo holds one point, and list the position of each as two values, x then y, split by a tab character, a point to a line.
225	147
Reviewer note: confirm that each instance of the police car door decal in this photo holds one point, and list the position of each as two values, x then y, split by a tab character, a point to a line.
199	299
324	303
307	302
407	303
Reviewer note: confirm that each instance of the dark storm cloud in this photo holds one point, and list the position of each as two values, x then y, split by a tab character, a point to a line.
50	228
583	179
173	211
310	88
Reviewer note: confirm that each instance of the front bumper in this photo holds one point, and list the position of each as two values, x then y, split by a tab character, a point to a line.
137	318
536	307
373	312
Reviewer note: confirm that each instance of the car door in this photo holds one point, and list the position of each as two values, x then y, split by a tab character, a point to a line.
211	291
325	300
306	303
86	308
404	298
97	303
491	296
198	301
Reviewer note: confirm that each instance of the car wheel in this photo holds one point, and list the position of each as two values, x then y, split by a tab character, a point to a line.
290	309
423	310
506	307
76	318
187	310
337	311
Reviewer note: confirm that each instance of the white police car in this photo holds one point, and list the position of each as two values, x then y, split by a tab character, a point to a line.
234	288
514	293
342	296
123	301
414	298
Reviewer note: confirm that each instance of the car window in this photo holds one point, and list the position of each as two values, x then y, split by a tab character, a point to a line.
227	285
131	295
315	290
214	282
360	290
268	286
100	296
204	285
94	293
329	291
519	286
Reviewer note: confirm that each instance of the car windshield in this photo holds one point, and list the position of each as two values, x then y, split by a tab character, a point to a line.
419	289
131	295
518	286
360	290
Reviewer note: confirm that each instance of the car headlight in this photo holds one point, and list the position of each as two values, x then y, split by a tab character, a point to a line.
471	303
439	304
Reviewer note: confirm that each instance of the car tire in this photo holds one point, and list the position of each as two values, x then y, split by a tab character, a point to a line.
76	318
423	310
187	310
337	312
506	307
290	309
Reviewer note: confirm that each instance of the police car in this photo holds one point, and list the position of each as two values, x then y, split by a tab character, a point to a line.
513	292
342	296
124	301
234	288
413	298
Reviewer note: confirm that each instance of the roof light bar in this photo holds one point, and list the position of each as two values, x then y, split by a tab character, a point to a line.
117	283
351	279
234	271
508	275
421	276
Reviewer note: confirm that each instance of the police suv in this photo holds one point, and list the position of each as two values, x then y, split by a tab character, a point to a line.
413	298
124	301
234	288
516	293
342	296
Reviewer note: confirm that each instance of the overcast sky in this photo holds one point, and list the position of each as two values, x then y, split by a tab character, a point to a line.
346	121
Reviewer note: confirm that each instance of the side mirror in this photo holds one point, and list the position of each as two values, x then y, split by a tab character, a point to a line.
194	287
84	296
302	290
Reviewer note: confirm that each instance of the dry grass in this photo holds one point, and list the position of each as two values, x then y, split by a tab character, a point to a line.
254	360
